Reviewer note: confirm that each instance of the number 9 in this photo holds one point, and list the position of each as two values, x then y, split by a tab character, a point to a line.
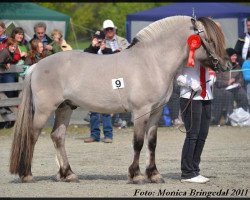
118	83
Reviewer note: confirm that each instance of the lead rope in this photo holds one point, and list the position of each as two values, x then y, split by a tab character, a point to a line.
193	93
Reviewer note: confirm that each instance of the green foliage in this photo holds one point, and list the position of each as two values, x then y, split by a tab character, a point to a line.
88	17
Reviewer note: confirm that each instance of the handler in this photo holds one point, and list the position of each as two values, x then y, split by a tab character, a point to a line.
196	115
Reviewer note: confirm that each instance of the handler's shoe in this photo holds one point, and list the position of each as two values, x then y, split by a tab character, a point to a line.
204	178
196	179
89	139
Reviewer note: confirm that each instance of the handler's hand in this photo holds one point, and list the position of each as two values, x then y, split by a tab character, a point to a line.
195	86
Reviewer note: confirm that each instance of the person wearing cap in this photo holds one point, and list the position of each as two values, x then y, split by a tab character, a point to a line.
117	44
98	46
113	41
229	88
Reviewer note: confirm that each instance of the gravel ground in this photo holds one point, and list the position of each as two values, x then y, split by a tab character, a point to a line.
102	168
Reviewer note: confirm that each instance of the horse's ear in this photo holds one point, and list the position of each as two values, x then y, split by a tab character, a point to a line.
193	20
196	29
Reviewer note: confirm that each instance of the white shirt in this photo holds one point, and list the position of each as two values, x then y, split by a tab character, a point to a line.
113	43
192	75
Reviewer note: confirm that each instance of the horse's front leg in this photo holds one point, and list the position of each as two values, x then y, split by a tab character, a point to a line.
151	133
134	174
62	118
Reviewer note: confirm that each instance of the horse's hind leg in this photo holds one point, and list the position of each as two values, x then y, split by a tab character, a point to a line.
39	120
151	133
62	119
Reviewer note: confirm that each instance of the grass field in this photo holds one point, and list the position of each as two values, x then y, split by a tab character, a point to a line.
80	44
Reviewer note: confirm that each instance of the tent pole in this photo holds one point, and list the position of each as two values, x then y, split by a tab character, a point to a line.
74	33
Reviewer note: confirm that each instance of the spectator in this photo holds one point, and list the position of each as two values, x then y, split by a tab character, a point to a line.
242	47
3	37
6	59
196	114
117	44
227	89
113	41
243	43
98	46
22	47
57	36
40	29
36	52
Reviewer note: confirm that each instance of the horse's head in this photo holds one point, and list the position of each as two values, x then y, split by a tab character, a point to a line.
212	51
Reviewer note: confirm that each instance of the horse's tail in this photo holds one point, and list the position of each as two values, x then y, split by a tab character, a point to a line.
23	144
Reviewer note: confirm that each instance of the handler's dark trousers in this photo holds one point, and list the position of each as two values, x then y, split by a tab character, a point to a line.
197	130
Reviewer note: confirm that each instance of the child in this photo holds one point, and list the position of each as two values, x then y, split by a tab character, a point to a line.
6	59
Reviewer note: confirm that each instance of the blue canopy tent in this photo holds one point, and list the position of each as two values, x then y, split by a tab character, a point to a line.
231	16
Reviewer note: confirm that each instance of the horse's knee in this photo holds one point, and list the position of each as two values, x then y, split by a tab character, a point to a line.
138	143
58	134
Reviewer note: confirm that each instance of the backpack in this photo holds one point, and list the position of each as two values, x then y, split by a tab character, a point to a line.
246	70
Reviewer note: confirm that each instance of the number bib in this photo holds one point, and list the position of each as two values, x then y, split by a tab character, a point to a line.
117	83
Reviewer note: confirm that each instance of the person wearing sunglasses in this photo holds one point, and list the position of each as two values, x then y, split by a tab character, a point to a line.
113	41
117	44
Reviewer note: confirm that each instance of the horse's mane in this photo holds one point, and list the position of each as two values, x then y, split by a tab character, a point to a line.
213	32
157	27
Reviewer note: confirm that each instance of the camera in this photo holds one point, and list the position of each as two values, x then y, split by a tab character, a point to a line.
99	40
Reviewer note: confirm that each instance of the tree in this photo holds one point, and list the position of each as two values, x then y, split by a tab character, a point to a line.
88	17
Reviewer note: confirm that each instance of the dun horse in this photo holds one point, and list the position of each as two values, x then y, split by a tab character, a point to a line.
138	79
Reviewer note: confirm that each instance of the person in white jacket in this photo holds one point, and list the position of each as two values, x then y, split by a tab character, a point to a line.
195	103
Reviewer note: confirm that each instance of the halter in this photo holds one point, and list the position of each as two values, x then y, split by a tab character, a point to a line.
215	61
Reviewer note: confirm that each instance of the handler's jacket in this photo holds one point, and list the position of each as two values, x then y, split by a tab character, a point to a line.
192	74
239	46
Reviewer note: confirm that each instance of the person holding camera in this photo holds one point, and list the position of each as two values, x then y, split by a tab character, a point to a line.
98	46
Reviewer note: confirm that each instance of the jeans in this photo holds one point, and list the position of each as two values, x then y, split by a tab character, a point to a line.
9	78
197	130
95	124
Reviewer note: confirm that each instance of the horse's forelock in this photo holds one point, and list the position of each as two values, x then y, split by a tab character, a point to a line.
215	34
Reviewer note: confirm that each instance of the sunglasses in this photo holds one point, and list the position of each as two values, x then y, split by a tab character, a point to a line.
109	29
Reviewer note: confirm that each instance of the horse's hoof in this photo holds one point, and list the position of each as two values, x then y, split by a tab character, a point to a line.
58	177
71	178
27	179
157	179
138	180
